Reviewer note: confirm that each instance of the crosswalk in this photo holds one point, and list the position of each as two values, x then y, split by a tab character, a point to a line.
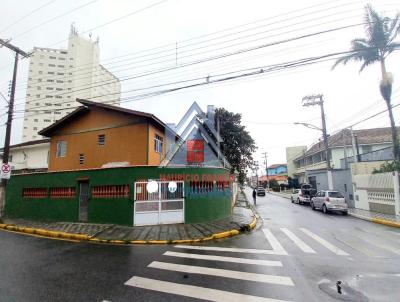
240	264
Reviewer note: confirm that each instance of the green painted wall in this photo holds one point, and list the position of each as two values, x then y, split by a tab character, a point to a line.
199	207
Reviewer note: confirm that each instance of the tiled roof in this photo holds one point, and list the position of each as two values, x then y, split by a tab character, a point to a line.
276	166
30	143
364	137
87	104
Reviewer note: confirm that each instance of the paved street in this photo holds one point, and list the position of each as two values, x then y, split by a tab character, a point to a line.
295	254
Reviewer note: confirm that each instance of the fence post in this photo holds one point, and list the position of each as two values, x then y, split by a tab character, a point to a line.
396	187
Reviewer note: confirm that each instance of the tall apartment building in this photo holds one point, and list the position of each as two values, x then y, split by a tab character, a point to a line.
58	76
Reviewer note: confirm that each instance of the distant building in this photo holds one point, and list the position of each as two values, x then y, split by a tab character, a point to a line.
28	157
340	147
97	135
57	77
277	169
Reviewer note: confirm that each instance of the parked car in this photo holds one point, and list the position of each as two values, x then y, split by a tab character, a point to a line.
300	196
260	191
328	201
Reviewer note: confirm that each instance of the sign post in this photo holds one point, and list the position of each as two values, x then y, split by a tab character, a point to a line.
5	171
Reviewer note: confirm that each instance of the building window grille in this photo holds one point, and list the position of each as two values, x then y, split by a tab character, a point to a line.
195	151
102	139
61	149
158	143
81	158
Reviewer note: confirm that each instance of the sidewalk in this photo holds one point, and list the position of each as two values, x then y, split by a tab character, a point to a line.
241	220
386	219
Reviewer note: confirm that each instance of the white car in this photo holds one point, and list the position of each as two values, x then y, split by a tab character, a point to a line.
329	201
298	197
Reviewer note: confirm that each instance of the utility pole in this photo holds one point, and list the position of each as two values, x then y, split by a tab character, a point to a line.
317	99
6	149
353	144
266	168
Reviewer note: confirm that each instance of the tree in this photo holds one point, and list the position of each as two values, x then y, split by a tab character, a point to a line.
379	43
238	146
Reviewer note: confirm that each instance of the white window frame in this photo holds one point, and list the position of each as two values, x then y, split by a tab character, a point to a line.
61	150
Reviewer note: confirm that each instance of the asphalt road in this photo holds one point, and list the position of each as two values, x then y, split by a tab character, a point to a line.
295	254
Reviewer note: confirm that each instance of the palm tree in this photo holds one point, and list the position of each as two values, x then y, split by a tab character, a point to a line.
379	43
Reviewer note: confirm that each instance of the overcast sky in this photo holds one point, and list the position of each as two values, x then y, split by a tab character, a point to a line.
139	37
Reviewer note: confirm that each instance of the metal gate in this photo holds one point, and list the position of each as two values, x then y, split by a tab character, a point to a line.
164	204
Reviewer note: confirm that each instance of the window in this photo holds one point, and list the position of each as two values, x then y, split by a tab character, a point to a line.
50	81
59	81
46	120
38	88
58	89
38	95
35	120
10	158
40	64
58	97
61	59
195	151
49	96
34	128
39	80
335	194
53	58
158	143
102	139
60	73
52	65
50	72
81	159
61	66
50	88
61	149
47	104
57	112
40	72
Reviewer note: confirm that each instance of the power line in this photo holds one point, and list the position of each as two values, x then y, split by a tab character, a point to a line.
241	51
55	18
181	42
252	72
27	15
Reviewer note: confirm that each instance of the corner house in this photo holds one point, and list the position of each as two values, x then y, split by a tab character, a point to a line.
109	164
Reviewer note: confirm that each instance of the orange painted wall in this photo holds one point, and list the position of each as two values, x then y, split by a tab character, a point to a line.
154	157
123	142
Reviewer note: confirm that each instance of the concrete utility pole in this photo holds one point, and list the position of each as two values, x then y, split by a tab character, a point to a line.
6	149
266	169
353	145
317	99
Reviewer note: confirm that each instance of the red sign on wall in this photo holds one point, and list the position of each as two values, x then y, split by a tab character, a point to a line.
195	151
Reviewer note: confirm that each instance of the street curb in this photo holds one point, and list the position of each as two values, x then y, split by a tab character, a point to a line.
85	237
377	220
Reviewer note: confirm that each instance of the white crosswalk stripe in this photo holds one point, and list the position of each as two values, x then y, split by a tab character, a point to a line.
224	259
281	280
196	292
300	243
325	243
276	246
229	249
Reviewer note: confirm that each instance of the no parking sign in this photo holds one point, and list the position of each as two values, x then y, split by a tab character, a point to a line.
5	171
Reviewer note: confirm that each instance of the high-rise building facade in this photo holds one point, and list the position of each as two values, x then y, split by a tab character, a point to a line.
57	77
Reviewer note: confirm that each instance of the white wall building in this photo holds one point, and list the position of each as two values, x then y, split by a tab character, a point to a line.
30	156
58	76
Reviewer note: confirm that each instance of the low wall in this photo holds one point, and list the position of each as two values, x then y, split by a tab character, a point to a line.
54	196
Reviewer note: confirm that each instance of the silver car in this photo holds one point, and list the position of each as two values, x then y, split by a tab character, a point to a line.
329	201
298	197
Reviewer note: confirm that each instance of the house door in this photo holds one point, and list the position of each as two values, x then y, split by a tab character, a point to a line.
83	200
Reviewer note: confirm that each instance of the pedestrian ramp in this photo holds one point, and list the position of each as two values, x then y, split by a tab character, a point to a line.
209	273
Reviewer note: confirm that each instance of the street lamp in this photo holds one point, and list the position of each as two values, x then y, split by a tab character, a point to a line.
312	100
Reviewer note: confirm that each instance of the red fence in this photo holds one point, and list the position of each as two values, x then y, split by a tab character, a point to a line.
62	192
34	193
121	191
